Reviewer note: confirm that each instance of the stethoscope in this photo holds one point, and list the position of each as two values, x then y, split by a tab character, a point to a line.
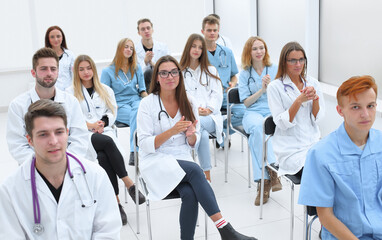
87	103
290	86
200	80
253	80
128	79
222	64
160	112
38	228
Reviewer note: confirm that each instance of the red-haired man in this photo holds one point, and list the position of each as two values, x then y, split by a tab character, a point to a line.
343	172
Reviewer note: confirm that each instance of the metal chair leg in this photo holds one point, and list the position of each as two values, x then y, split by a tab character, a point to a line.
214	144
148	218
242	143
291	211
206	226
249	165
125	194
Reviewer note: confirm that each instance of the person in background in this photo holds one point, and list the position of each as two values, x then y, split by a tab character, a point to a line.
342	175
55	194
55	39
45	71
201	80
124	76
223	60
148	49
168	129
257	73
222	40
297	105
99	109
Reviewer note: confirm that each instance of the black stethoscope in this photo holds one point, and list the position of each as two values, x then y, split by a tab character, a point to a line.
87	103
222	64
160	112
38	228
200	80
253	80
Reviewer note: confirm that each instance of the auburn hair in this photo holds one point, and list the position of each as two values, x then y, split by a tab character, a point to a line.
119	58
246	56
356	85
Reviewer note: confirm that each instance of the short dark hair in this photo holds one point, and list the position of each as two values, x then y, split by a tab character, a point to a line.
43	53
143	20
214	15
47	42
43	108
210	20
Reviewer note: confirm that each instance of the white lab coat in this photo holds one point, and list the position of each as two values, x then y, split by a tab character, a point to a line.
65	219
210	96
97	109
160	49
17	143
159	167
65	70
292	140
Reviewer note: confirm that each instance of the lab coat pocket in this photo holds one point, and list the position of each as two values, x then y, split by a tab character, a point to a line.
84	216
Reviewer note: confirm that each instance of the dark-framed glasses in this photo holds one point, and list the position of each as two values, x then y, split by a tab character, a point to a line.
164	74
294	61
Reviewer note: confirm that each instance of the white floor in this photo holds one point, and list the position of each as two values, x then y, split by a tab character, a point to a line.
235	200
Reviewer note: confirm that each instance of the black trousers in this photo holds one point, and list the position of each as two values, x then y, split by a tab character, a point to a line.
110	158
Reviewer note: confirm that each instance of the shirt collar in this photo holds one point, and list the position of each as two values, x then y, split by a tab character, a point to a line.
59	95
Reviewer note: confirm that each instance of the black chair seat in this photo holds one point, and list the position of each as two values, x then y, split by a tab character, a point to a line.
240	129
223	111
121	124
312	211
293	178
173	195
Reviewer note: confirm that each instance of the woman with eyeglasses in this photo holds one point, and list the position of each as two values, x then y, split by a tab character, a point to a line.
257	73
55	39
296	104
168	129
99	107
202	82
125	77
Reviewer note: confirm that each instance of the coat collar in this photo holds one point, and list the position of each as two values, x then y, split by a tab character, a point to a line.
59	95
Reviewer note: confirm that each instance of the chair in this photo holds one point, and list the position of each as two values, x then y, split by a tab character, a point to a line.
268	131
173	195
233	99
309	211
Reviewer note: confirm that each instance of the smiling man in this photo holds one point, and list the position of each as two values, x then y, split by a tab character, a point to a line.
342	175
45	71
55	195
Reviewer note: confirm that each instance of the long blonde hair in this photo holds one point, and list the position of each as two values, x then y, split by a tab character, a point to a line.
119	57
97	85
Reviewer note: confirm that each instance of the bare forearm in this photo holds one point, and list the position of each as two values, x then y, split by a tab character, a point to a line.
333	224
253	98
191	140
294	109
162	138
316	107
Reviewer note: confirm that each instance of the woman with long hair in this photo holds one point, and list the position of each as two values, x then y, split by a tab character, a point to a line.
55	39
296	103
167	130
99	107
125	77
202	82
257	73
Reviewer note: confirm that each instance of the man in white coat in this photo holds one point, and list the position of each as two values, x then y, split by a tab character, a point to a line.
148	49
45	70
54	195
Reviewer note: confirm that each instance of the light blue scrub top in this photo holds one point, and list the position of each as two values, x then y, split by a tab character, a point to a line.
246	84
339	174
224	62
125	89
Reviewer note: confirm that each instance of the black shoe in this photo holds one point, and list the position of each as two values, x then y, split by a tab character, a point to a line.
228	233
141	198
131	159
123	214
319	234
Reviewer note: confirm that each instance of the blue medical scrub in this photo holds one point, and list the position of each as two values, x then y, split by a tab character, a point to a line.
127	91
340	175
224	61
249	83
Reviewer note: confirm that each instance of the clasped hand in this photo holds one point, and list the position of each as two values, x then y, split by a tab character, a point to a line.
308	93
98	127
187	127
265	82
204	111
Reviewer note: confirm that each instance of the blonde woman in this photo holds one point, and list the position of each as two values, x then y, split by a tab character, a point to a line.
99	108
125	77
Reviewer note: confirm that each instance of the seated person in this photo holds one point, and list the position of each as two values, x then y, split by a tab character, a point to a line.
100	109
125	77
257	73
34	201
342	175
45	70
167	130
148	49
203	83
296	104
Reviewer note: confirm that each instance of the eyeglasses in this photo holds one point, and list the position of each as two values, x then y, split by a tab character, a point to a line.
164	74
294	61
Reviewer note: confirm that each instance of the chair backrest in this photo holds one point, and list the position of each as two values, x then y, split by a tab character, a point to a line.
269	126
233	96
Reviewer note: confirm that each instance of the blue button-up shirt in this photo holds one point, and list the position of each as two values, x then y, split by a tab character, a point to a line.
340	175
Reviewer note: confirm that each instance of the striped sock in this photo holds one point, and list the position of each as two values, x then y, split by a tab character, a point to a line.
221	223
